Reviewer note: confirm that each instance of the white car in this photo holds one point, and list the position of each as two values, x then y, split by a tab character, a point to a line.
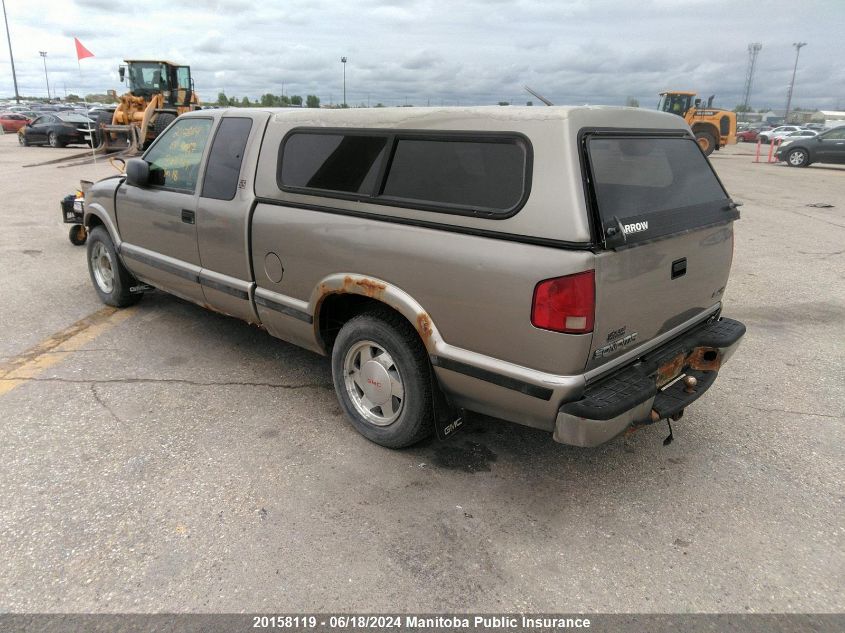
779	132
794	136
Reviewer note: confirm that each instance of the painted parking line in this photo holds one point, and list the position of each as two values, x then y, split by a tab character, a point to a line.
53	350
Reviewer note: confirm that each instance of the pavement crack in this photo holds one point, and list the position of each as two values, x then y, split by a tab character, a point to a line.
171	381
103	403
821	415
822	254
815	217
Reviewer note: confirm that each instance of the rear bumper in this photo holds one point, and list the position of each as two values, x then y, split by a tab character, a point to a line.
638	393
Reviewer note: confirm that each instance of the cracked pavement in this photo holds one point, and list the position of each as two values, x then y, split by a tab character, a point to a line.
184	461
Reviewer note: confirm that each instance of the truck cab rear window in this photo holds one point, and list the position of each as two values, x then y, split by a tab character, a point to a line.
452	172
650	187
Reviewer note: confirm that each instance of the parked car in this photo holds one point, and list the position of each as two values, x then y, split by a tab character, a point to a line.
827	147
778	132
94	111
59	129
18	108
748	135
796	135
12	121
427	252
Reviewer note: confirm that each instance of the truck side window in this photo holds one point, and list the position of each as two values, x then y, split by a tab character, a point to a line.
175	158
224	162
333	162
457	172
451	172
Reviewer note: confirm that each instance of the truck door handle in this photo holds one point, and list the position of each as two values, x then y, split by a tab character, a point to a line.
188	216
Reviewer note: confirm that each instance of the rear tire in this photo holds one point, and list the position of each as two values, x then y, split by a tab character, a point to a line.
706	141
797	158
54	140
108	274
382	377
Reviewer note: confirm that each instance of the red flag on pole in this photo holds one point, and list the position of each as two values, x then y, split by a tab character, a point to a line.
81	51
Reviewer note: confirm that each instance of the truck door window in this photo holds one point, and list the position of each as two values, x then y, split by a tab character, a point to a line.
224	161
176	155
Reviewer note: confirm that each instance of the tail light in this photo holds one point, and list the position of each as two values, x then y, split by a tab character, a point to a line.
565	304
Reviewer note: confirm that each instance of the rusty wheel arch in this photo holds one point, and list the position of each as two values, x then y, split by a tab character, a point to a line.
340	298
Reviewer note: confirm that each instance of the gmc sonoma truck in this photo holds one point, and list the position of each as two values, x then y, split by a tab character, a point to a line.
561	268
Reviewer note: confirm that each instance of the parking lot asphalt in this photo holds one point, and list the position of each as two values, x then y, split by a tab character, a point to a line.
169	459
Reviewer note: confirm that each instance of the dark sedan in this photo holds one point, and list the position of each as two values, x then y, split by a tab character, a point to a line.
827	147
59	129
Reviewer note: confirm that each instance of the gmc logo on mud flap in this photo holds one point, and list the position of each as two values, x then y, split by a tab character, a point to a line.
636	227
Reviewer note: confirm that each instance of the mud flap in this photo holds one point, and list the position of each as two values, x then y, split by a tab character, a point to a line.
448	420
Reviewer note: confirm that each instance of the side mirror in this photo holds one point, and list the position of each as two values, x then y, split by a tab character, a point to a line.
137	172
122	72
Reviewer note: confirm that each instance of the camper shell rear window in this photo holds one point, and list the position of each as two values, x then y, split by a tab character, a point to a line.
644	187
466	173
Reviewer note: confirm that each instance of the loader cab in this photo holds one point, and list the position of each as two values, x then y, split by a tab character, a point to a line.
675	102
149	78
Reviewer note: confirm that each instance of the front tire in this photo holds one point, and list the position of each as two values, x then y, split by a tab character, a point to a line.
162	121
77	234
23	140
382	378
108	274
54	140
706	141
797	158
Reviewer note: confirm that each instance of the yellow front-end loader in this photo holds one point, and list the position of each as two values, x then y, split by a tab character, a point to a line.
713	127
159	91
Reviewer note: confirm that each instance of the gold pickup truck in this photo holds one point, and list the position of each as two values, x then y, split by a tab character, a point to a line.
560	267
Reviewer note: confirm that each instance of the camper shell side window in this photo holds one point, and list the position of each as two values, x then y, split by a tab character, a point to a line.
485	174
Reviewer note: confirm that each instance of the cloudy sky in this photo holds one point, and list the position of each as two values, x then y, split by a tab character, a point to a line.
434	51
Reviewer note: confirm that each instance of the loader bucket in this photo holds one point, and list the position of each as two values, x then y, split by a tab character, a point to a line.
119	138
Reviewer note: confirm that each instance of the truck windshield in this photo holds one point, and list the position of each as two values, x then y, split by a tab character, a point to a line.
649	187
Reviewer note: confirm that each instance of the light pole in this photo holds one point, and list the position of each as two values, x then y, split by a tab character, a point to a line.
343	61
797	46
44	56
11	59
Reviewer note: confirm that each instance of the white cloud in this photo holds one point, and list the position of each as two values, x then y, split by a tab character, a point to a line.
474	51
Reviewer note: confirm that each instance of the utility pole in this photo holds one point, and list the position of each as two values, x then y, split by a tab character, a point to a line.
11	58
47	79
343	61
753	50
798	46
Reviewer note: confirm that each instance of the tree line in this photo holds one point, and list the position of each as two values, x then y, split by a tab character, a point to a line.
269	100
